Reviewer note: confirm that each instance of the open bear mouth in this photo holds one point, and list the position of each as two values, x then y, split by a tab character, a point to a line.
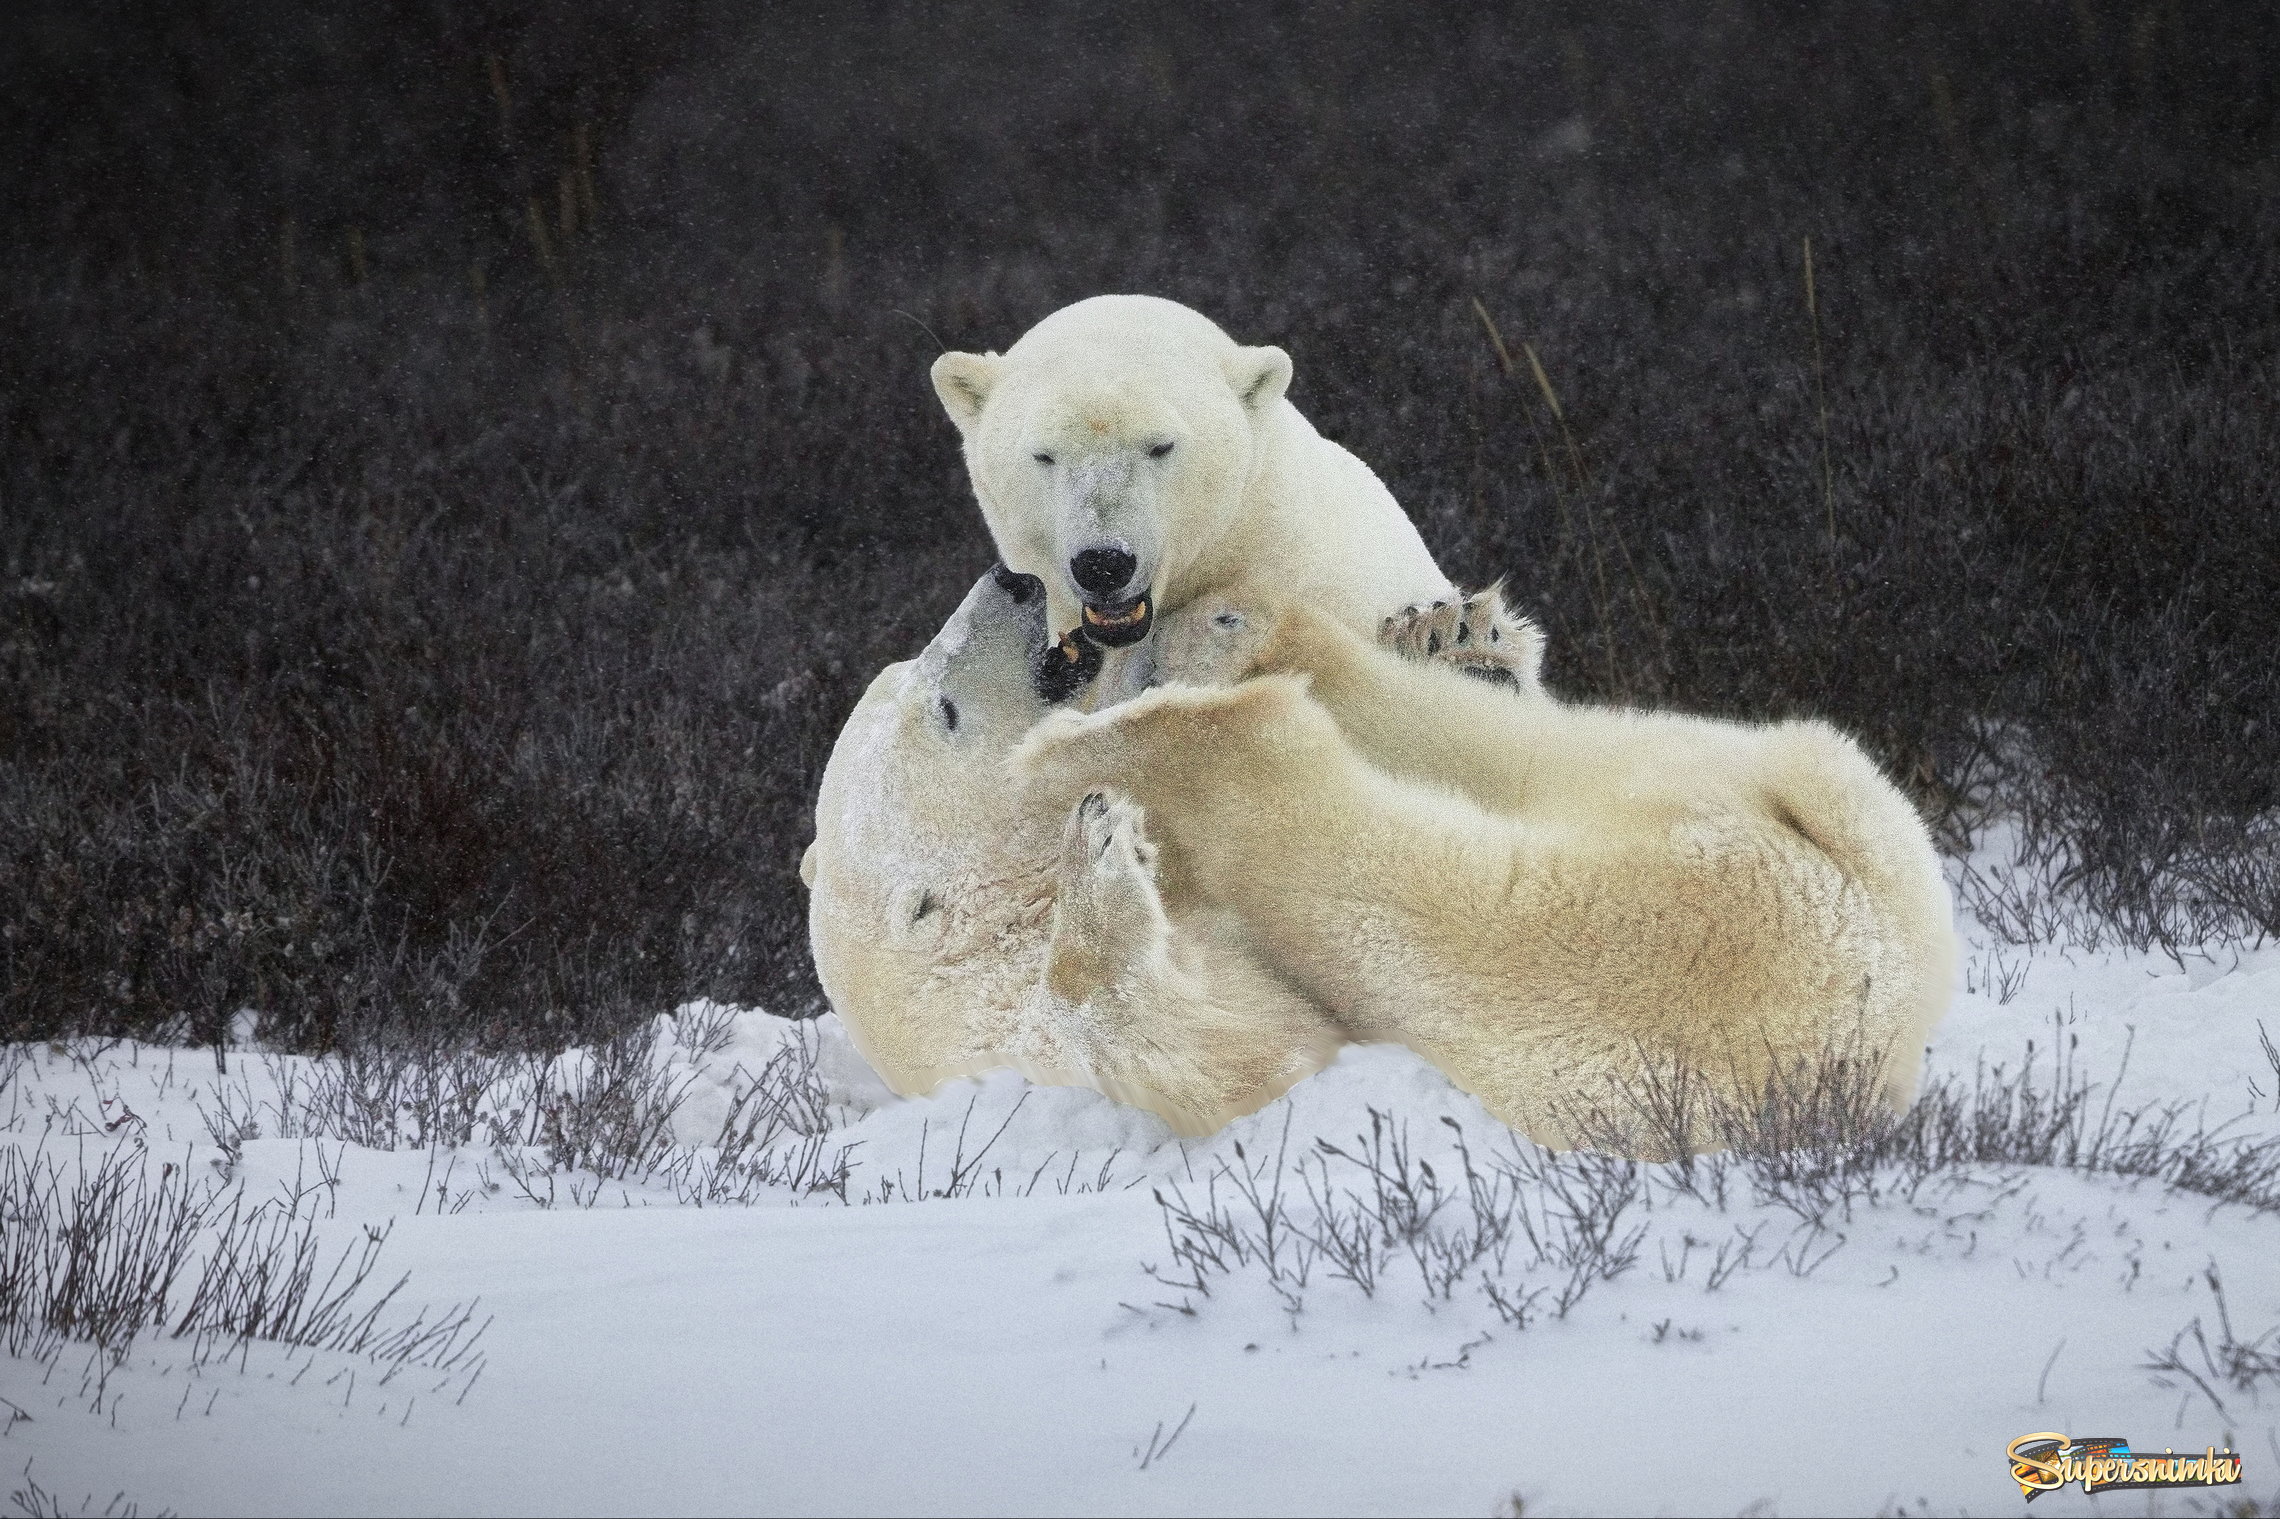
1121	623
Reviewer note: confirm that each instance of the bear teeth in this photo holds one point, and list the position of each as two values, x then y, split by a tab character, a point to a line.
1123	619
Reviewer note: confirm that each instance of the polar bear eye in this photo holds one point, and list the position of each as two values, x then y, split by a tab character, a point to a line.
1159	450
1042	458
949	711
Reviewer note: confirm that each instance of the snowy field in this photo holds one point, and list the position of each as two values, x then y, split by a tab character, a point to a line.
1013	1300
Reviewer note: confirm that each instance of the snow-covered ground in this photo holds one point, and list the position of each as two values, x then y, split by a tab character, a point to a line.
877	1348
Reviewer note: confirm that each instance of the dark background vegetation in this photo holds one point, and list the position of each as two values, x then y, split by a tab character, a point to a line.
460	462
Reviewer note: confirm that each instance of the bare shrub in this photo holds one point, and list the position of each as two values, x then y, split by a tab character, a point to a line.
776	1135
1535	1231
105	1254
93	1256
36	1502
1375	1205
2204	1366
561	1126
387	1095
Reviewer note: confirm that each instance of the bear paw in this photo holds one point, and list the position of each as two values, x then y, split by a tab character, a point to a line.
1105	837
1478	634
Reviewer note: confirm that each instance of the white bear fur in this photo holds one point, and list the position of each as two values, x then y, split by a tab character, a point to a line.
1250	501
961	922
1557	904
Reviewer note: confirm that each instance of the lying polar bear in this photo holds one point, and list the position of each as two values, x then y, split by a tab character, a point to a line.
961	922
1558	905
1136	458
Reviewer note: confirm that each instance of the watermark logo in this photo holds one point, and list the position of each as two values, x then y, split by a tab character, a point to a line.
2045	1462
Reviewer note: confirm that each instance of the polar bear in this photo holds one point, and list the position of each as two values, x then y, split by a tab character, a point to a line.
1134	457
961	922
1565	908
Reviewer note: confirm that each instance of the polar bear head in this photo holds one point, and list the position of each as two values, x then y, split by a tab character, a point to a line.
922	838
1111	449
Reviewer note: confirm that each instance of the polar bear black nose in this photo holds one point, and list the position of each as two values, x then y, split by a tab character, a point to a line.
1102	572
1022	588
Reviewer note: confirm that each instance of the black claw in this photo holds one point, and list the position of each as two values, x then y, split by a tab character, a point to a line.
1464	631
1432	643
1495	636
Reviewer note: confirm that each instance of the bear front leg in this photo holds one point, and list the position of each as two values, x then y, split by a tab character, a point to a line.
1193	756
1109	926
1478	634
1178	741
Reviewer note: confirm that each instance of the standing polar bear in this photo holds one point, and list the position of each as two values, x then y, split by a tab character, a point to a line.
1134	457
1563	907
961	922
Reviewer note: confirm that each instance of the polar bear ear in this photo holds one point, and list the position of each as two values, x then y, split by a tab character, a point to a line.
807	866
1259	375
964	381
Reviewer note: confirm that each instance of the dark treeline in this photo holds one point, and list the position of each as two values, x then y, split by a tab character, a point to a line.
459	463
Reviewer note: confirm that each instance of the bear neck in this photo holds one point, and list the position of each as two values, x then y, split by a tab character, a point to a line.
1265	532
